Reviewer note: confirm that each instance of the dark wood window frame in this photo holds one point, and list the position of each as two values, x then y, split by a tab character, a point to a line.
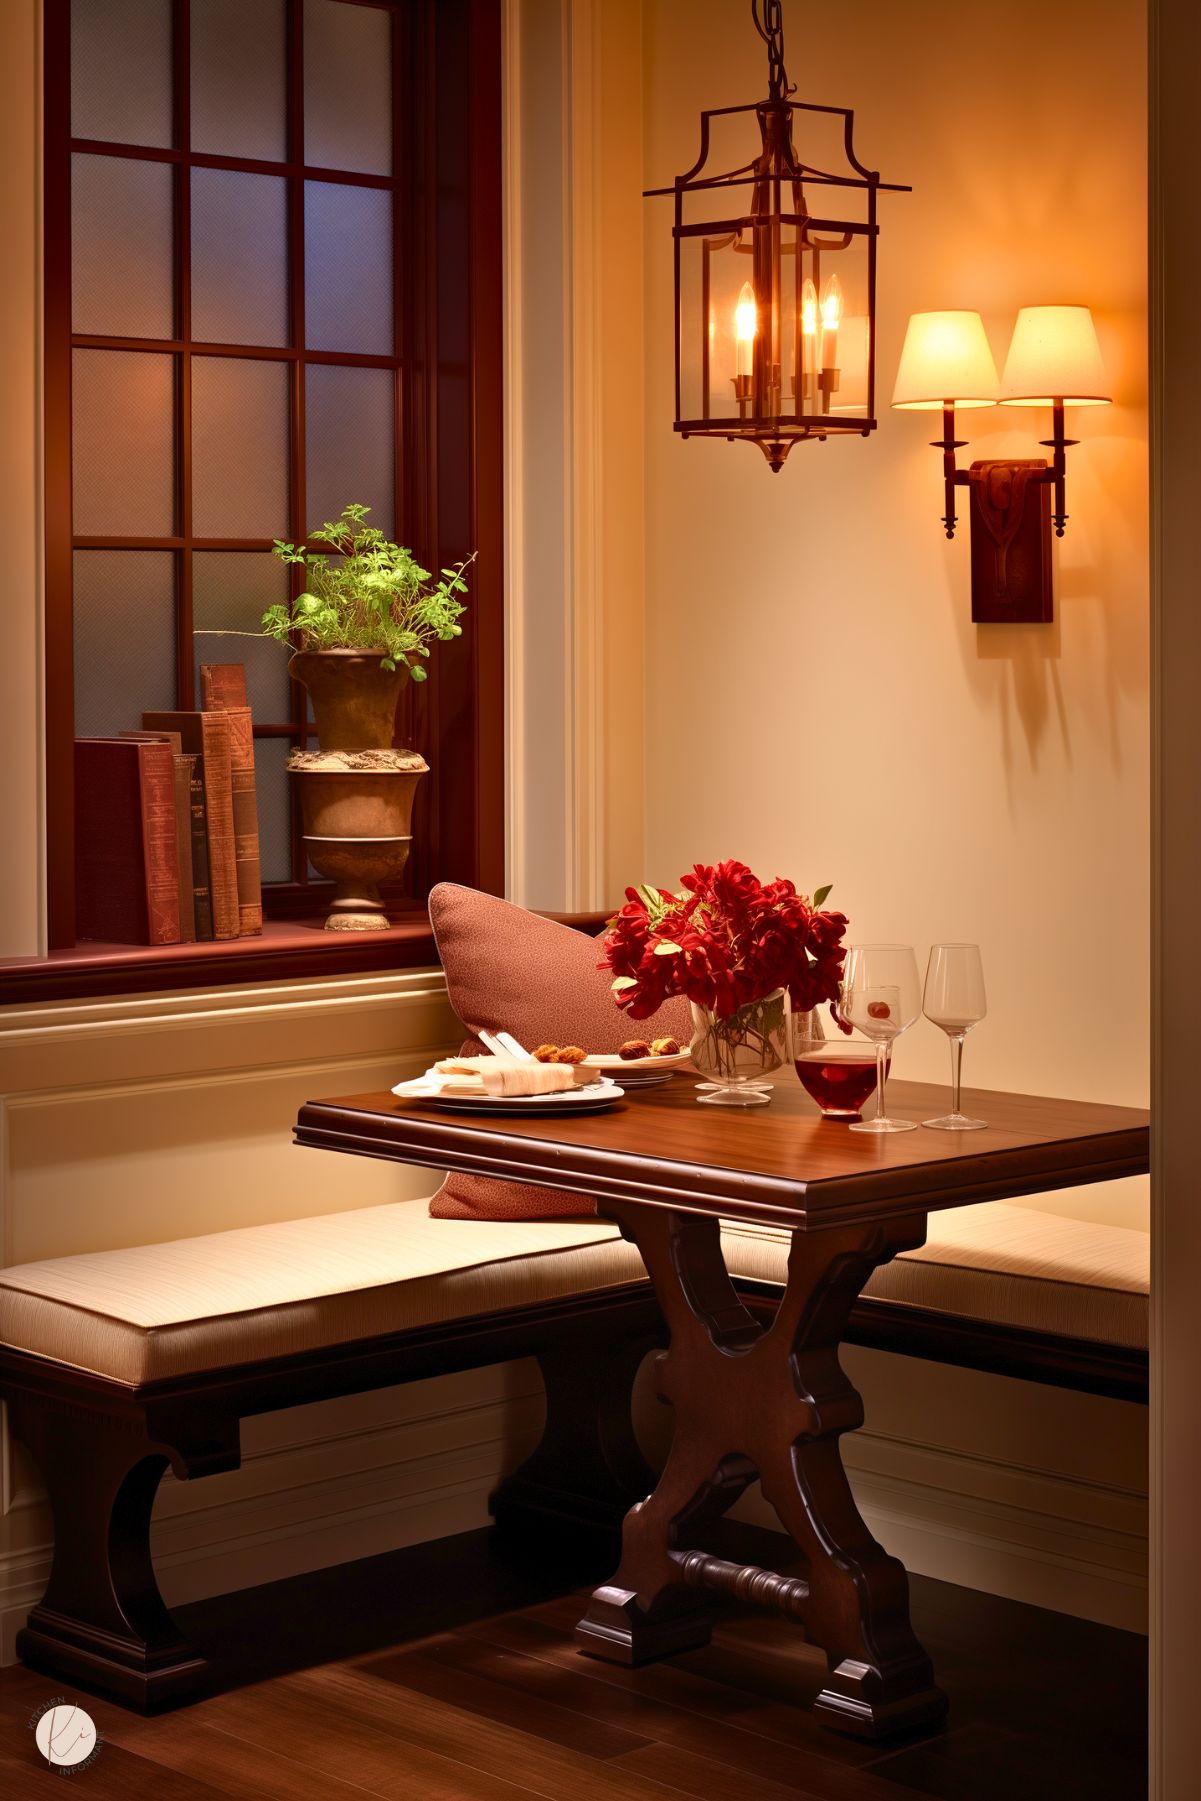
447	228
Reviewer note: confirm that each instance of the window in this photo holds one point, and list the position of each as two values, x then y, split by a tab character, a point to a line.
272	287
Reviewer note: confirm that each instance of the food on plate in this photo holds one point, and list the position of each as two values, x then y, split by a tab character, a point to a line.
504	1075
665	1047
525	1077
633	1048
571	1053
559	1053
546	1053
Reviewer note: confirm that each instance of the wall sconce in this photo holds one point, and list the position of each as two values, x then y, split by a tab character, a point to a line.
1054	360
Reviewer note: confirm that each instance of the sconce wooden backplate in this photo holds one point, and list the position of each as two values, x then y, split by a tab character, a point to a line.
1011	543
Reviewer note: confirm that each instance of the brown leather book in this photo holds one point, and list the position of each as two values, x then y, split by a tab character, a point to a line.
183	767
202	899
207	736
223	690
126	860
223	686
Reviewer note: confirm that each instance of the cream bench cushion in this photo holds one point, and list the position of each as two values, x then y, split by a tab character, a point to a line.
1012	1266
153	1312
166	1310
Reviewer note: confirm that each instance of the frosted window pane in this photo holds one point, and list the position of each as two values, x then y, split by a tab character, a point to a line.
122	235
121	71
239	448
347	87
238	81
275	807
347	268
232	589
349	417
124	639
123	457
239	258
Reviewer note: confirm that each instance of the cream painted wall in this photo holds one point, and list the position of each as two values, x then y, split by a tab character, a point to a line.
818	701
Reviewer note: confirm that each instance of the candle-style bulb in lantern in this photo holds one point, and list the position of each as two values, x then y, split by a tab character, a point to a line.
746	324
831	311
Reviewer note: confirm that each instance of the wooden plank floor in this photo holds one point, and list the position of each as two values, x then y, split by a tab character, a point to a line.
447	1673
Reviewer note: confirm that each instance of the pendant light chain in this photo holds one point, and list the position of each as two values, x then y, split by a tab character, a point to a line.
770	27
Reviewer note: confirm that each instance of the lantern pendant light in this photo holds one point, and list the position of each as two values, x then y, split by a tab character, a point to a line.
775	277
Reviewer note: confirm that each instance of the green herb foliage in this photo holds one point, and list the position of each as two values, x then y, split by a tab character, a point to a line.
366	593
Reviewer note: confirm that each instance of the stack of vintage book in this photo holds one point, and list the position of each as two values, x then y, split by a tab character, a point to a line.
166	824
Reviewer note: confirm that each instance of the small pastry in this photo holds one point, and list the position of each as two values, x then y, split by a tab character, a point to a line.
546	1053
571	1053
665	1047
634	1048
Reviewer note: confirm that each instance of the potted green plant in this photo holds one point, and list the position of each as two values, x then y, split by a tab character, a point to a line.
365	621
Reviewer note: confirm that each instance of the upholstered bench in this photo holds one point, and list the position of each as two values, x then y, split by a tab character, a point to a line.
118	1363
115	1364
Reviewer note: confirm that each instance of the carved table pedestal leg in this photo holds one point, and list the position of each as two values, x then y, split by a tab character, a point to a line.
769	1402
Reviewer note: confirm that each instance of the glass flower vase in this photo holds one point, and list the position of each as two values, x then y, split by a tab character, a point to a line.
739	1052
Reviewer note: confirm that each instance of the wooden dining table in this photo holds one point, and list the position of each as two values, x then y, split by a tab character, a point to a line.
755	1399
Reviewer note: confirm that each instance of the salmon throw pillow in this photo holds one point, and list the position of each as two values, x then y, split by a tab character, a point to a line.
511	971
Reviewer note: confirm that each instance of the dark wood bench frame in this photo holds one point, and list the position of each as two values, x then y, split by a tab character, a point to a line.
102	1448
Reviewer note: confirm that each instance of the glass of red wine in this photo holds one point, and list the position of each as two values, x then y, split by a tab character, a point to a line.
838	1072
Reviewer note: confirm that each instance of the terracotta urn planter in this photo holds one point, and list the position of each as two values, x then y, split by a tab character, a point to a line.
354	700
356	792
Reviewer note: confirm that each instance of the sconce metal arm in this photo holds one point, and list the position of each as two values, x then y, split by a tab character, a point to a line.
1058	445
1056	471
952	477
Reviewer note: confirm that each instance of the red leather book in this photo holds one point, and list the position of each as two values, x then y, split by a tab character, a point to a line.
207	736
183	828
126	856
223	690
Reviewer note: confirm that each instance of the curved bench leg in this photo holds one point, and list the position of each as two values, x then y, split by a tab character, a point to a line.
587	1470
102	1621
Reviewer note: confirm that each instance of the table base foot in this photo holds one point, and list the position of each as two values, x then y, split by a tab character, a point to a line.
617	1630
860	1718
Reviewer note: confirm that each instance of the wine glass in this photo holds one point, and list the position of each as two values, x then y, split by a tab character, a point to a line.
954	999
881	995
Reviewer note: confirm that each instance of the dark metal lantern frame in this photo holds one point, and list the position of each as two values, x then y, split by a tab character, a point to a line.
778	227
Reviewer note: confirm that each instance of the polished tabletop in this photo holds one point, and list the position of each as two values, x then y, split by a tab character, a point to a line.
781	1164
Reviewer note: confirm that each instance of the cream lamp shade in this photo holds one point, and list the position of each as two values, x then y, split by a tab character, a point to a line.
1054	356
946	361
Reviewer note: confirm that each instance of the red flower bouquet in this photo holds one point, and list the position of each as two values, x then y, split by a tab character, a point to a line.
729	940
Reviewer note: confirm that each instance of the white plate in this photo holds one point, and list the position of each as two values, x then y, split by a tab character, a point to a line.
612	1064
598	1094
651	1078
